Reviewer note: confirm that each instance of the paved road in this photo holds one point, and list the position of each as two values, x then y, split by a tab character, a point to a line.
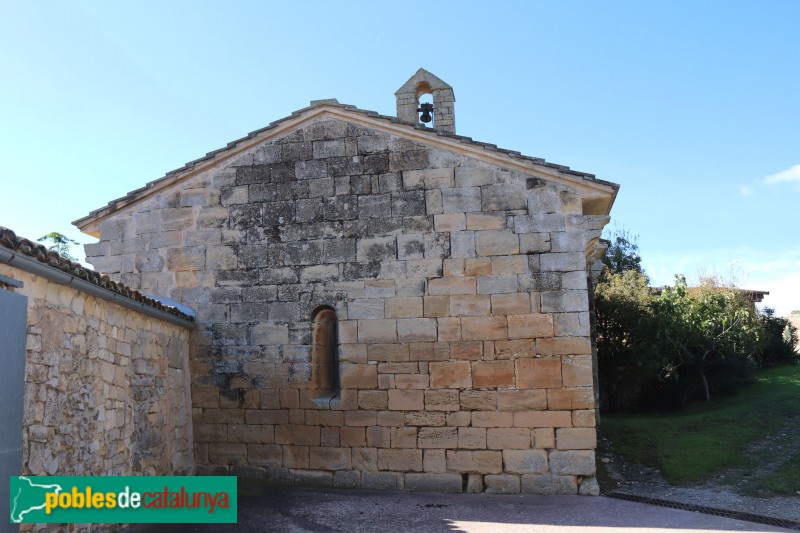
317	511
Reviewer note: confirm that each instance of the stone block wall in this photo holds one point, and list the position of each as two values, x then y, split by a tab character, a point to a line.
105	386
460	289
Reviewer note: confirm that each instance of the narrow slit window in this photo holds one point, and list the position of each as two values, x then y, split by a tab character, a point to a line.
325	352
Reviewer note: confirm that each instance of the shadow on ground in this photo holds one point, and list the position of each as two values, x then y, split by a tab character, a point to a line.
309	510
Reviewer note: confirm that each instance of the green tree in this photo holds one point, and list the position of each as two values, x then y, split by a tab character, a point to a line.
661	350
708	330
628	363
780	342
59	243
790	338
623	253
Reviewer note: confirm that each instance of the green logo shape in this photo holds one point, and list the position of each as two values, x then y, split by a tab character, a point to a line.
123	499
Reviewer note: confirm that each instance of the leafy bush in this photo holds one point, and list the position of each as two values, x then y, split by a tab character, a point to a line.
711	334
780	343
628	363
659	351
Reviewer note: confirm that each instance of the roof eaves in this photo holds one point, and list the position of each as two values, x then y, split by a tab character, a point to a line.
39	253
133	195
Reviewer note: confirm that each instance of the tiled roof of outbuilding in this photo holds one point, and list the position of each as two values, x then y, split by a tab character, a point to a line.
142	191
37	252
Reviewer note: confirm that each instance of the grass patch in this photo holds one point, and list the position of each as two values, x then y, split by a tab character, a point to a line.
783	482
704	439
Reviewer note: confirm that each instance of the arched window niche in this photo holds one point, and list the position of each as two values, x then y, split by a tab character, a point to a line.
324	355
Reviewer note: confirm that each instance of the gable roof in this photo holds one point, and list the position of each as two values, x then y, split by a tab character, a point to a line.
598	201
422	75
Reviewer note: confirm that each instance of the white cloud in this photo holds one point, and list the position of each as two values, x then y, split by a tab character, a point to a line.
744	190
790	175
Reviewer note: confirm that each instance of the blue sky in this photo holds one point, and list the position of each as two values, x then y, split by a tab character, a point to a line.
691	106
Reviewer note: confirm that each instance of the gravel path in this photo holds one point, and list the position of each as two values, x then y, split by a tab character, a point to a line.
720	492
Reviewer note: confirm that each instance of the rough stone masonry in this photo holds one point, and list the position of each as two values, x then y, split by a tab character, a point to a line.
457	276
105	390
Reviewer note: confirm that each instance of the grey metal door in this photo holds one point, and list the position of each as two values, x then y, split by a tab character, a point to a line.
13	318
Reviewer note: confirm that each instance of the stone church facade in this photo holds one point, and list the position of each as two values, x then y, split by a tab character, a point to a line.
379	304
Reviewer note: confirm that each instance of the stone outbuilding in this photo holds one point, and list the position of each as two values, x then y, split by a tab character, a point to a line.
380	304
95	375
